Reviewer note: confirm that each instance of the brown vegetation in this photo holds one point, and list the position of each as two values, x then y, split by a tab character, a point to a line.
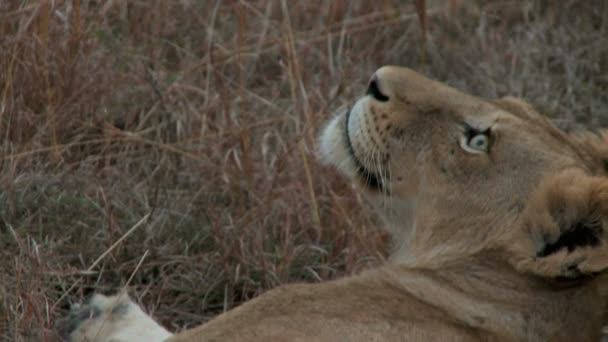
168	146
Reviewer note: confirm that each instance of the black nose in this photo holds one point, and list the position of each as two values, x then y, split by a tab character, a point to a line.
374	90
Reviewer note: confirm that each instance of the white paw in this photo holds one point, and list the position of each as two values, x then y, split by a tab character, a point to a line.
115	318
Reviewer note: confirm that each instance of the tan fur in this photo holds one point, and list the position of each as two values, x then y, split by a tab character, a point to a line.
507	244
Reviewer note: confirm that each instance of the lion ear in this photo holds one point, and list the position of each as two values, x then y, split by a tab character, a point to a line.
596	145
564	228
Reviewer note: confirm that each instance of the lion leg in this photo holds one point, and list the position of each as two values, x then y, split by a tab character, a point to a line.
115	318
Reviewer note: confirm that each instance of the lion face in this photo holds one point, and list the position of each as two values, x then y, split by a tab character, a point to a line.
417	148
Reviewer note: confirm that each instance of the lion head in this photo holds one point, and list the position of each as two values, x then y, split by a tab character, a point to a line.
453	174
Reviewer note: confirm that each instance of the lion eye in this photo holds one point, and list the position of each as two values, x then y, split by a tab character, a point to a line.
474	141
479	142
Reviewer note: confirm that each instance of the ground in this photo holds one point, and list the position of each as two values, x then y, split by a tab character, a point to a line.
168	147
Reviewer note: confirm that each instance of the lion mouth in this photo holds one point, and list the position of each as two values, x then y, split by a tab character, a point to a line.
368	177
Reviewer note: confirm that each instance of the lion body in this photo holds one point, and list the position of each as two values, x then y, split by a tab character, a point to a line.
397	304
496	217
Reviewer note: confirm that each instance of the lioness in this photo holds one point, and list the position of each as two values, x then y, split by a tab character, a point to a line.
497	218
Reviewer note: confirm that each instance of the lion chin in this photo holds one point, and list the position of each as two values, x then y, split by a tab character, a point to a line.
497	219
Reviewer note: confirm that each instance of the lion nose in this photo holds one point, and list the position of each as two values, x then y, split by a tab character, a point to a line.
374	88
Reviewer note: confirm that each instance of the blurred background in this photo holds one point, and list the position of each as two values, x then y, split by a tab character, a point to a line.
169	146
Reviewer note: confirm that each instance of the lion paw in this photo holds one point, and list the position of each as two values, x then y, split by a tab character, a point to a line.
114	318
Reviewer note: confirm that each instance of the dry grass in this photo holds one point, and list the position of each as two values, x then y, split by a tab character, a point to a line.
203	116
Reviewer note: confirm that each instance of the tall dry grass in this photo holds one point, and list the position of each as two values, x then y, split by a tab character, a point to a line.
201	117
